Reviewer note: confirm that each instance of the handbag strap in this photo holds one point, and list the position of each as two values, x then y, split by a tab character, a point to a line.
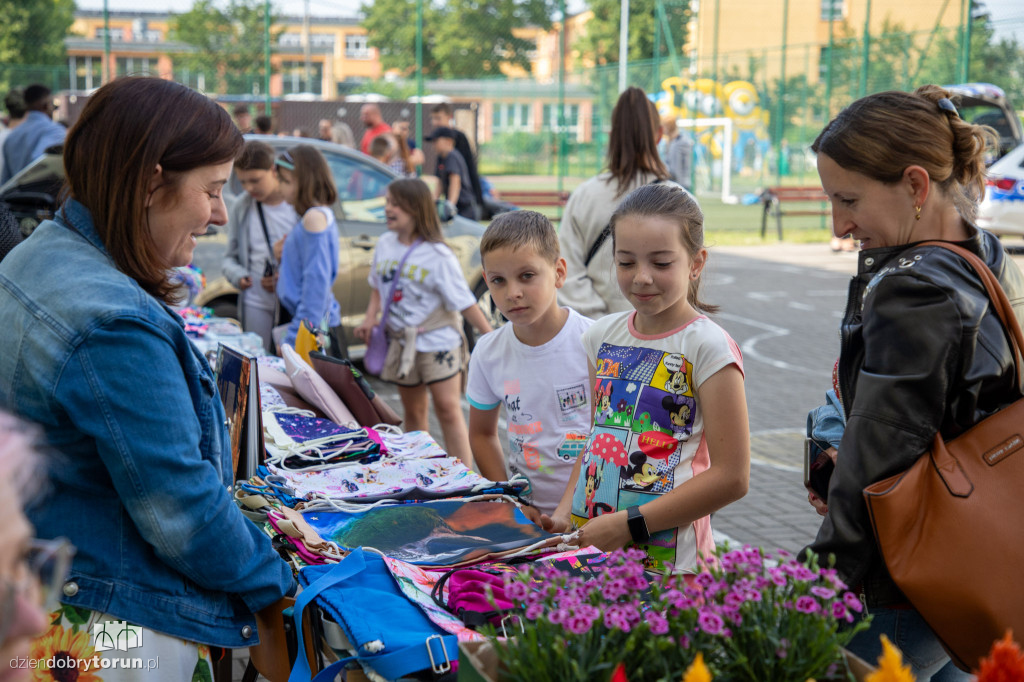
946	463
1000	303
437	654
607	232
394	284
266	233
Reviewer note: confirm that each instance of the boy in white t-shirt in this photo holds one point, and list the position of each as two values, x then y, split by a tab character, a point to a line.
536	366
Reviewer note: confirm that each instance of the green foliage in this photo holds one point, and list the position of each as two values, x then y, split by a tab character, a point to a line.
461	38
394	90
601	41
229	42
33	33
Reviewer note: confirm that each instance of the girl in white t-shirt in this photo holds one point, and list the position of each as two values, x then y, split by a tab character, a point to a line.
670	442
423	318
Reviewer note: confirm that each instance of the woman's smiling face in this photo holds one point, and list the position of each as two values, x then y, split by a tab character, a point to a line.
180	211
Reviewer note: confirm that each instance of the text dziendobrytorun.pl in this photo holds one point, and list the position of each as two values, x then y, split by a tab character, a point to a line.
85	664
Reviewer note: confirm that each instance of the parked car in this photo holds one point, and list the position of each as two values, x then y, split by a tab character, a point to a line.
33	193
986	104
1002	208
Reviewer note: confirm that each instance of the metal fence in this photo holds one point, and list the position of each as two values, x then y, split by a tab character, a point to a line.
556	123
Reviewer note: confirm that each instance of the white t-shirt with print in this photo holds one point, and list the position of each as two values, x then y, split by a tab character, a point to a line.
648	432
431	277
280	218
546	394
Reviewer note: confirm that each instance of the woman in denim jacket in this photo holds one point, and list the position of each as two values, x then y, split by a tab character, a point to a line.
94	354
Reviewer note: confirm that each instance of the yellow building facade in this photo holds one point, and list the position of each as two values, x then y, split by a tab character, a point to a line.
728	33
140	43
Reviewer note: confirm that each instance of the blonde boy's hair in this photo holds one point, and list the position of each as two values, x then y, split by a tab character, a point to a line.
517	229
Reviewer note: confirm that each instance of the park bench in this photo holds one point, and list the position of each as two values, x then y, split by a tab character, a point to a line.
773	197
536	199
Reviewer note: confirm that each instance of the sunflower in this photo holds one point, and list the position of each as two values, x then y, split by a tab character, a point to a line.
72	655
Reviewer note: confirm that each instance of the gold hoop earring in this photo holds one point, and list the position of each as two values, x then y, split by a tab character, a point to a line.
917	213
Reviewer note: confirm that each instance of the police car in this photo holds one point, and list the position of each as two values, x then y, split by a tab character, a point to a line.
1002	209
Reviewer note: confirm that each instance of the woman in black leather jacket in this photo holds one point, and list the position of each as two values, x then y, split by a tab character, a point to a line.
922	352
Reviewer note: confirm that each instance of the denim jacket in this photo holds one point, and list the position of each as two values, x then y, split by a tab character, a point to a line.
140	486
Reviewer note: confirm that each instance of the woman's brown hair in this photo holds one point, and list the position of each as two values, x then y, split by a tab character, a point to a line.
413	196
311	175
880	135
670	201
127	128
403	152
633	143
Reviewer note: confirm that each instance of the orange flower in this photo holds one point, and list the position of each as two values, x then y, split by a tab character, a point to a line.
890	666
71	655
697	672
1005	662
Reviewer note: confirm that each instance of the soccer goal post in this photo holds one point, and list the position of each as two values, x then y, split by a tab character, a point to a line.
726	166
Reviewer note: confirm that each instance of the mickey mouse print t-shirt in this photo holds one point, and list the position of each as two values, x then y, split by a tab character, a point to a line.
648	431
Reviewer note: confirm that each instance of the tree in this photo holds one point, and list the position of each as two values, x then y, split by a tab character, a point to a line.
229	42
33	34
461	38
601	40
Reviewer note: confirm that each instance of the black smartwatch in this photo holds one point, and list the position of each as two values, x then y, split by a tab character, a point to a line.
637	524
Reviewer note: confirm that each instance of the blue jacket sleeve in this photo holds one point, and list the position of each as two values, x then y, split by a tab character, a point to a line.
315	295
150	438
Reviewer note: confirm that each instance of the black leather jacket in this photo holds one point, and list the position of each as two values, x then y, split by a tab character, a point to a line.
921	352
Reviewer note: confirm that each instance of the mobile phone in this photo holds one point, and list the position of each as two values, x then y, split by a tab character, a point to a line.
269	269
818	467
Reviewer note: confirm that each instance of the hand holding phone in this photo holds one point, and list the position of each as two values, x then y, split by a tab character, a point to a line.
818	466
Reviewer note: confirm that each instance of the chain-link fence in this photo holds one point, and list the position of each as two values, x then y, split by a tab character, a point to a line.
539	96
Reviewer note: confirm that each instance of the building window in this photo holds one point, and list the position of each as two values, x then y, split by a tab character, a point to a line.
572	116
128	66
322	40
293	78
116	34
509	118
831	10
86	72
290	40
356	47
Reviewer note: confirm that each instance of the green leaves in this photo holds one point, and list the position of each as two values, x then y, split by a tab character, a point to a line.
461	38
229	42
33	33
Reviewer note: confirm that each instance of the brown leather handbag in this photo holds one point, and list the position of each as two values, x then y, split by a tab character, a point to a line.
951	528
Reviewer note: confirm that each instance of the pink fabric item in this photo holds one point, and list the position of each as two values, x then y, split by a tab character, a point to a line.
467	590
312	387
376	438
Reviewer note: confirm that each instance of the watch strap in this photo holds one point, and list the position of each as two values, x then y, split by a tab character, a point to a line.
637	524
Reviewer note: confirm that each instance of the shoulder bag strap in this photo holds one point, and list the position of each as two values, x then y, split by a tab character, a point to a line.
266	233
394	284
350	566
1000	303
437	653
607	232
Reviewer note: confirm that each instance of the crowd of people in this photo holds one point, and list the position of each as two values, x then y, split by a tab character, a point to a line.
610	339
